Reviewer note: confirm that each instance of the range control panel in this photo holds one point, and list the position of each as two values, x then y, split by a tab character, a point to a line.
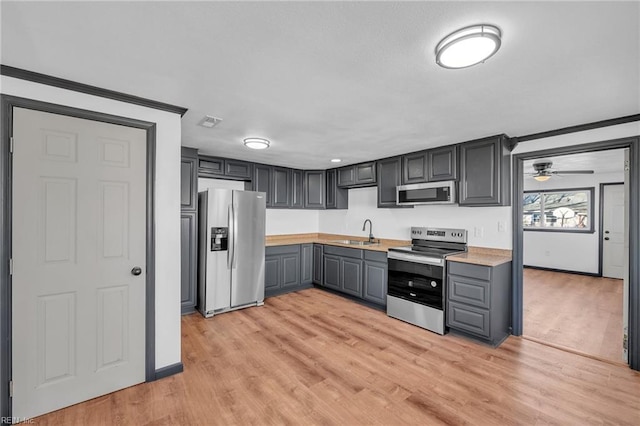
451	235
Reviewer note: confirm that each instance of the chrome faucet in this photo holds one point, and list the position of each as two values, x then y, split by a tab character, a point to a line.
364	226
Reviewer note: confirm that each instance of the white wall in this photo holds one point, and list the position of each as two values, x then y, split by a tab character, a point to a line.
567	251
397	223
167	199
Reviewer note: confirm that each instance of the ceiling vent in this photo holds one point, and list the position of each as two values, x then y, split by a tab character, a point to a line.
209	121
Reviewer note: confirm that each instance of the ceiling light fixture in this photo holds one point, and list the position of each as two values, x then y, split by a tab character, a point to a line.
335	160
468	46
256	143
542	177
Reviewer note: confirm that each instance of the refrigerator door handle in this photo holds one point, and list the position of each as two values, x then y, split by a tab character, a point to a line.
235	235
231	254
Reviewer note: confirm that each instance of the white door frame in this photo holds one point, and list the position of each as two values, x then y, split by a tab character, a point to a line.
7	103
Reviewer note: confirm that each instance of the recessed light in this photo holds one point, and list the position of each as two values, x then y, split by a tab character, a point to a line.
335	160
209	121
468	46
256	143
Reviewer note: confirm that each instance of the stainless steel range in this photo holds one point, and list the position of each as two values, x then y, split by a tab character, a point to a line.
417	276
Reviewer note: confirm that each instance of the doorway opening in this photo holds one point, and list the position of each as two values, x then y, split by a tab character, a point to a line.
575	249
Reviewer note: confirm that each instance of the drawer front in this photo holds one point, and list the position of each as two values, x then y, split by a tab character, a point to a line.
276	250
376	256
470	270
468	318
471	291
343	251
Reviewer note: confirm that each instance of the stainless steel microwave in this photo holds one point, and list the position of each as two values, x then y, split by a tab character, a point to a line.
426	193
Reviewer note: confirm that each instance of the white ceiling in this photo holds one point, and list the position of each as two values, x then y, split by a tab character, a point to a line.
355	80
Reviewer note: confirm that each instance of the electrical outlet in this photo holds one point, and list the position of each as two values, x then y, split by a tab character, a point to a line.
478	232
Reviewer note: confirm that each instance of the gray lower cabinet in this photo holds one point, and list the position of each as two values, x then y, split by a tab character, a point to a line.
306	264
282	269
188	257
318	253
343	269
375	277
479	300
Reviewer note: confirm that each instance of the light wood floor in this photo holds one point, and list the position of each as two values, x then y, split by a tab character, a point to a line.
315	358
578	312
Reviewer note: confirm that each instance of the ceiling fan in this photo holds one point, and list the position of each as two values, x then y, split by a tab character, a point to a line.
543	171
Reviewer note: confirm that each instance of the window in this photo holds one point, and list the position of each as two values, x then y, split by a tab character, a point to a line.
563	210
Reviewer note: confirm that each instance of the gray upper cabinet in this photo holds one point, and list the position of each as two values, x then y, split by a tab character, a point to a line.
485	172
189	179
262	180
389	176
210	167
314	189
442	163
297	189
238	169
358	175
224	168
280	187
336	198
414	167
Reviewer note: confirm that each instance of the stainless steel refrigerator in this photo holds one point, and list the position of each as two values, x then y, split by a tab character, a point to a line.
231	232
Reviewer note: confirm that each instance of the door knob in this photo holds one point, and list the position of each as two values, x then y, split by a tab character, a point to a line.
606	238
136	270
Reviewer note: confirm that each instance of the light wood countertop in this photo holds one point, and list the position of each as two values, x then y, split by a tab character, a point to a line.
482	256
332	239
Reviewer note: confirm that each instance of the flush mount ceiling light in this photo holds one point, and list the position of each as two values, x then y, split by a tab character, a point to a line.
256	143
468	46
335	160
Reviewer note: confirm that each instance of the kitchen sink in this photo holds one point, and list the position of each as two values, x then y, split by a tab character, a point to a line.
354	242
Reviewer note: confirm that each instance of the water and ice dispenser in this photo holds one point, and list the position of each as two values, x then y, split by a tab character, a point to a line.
219	239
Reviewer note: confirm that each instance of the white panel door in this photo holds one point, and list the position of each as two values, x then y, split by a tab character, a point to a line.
79	191
613	234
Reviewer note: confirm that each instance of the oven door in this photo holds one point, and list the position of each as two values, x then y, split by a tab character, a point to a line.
417	282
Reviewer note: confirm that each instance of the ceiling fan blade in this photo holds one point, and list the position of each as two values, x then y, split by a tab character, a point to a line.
572	172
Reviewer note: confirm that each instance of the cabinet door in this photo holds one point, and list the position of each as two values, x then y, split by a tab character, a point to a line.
331	272
317	263
314	189
297	189
414	168
346	176
351	276
331	188
290	272
480	172
210	167
188	259
389	171
365	173
375	282
442	163
280	187
469	318
188	183
306	263
238	169
271	273
262	180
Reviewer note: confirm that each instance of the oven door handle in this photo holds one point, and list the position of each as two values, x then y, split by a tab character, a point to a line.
415	258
